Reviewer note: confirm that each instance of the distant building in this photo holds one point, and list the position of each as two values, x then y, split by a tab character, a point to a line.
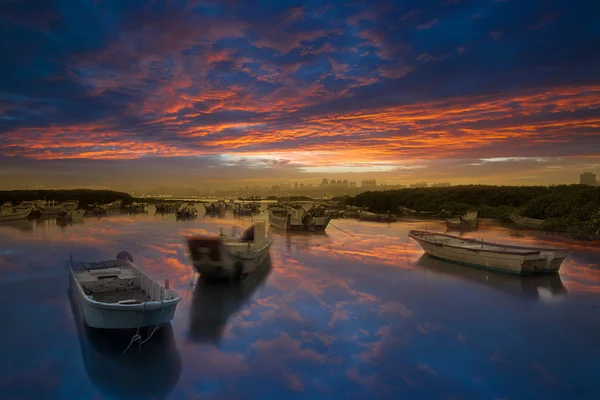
352	185
296	185
419	185
441	184
588	178
368	184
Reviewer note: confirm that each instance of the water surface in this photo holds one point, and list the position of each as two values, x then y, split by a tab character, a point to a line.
357	312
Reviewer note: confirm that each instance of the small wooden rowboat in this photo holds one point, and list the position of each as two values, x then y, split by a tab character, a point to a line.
76	215
526	222
409	212
369	216
464	222
228	256
14	214
116	294
290	217
501	257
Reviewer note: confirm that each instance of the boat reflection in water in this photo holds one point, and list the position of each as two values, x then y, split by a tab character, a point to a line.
542	287
149	373
215	301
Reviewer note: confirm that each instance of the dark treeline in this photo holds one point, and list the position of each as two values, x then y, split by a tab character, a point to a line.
85	196
573	208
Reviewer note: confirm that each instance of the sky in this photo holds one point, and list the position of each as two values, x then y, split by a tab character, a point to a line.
140	94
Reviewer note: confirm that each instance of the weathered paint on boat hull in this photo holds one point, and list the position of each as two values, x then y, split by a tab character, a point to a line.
509	263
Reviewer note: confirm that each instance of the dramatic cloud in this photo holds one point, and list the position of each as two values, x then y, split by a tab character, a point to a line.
335	87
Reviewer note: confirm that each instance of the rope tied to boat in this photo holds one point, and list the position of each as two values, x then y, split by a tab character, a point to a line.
347	233
137	337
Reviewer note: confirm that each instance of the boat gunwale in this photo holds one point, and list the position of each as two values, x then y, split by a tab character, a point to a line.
534	250
145	306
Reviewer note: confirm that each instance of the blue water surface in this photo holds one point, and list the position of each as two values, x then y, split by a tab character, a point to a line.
357	313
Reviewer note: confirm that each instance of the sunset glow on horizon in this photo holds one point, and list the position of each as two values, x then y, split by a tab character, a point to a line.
176	93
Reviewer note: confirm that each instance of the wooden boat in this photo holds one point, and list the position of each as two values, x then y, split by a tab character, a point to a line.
14	214
53	208
501	257
464	222
526	222
164	207
242	210
71	215
295	218
116	294
409	212
187	212
228	256
115	205
99	209
352	211
369	216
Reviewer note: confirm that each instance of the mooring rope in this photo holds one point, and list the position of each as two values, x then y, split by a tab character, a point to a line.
347	233
137	337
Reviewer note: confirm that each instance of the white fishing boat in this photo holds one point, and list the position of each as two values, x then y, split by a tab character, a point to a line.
71	215
53	208
369	216
295	218
229	256
116	294
464	222
14	214
527	222
501	257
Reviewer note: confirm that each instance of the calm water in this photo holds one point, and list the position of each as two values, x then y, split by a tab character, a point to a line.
355	313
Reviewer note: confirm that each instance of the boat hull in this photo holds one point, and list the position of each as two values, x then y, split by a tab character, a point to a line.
15	216
211	258
107	318
119	316
294	221
518	263
525	222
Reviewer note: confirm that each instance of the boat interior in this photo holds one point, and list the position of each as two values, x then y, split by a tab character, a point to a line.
116	281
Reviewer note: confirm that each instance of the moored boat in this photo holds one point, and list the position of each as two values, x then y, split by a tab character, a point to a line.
228	256
242	210
53	208
187	212
14	214
409	212
527	222
116	294
352	211
71	215
501	257
292	217
165	207
465	222
372	217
